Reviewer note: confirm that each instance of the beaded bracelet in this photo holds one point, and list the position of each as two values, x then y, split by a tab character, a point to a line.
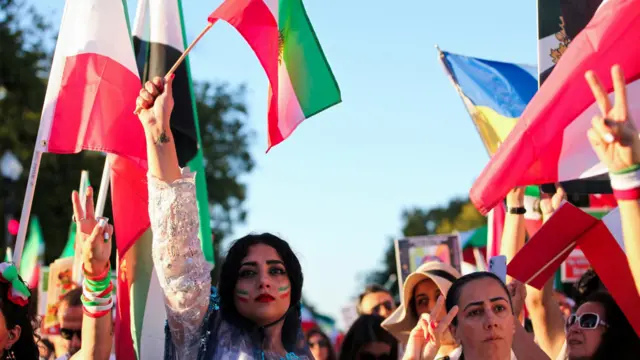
626	183
97	291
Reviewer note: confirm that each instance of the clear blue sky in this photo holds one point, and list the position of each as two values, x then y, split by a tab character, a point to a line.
401	137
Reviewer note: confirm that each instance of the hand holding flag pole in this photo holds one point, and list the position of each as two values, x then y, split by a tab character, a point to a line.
181	58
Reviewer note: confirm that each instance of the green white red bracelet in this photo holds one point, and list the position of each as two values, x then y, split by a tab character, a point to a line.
97	294
626	183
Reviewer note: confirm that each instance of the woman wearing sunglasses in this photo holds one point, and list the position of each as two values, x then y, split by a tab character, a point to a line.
599	330
320	345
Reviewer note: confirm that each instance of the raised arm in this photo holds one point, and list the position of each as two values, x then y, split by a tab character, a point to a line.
178	259
615	140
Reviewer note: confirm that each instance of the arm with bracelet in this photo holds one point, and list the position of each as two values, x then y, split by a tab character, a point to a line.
615	140
97	288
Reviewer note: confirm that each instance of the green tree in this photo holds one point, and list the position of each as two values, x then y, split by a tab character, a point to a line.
24	64
458	215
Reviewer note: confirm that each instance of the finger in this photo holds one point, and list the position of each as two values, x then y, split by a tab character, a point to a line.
108	233
77	207
620	91
424	326
560	192
89	208
446	321
438	308
98	230
151	89
595	139
146	95
168	86
600	126
598	92
142	103
158	82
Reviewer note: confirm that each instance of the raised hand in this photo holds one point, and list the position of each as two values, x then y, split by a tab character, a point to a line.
156	103
515	197
613	135
425	338
94	235
550	203
518	293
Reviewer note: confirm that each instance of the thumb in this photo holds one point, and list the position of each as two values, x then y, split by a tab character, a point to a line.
168	85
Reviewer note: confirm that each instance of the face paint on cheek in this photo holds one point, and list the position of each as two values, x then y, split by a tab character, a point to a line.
284	291
242	295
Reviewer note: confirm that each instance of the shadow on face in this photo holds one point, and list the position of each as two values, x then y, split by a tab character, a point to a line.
70	318
485	321
378	303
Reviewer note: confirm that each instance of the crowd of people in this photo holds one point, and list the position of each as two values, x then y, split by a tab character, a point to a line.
254	312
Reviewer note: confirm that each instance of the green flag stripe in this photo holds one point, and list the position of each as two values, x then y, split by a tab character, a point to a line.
197	164
313	82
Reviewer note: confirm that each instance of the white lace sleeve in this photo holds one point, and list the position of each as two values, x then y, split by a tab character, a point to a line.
182	270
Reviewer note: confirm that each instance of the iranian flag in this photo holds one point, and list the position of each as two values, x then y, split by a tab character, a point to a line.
93	84
549	143
601	242
281	35
32	255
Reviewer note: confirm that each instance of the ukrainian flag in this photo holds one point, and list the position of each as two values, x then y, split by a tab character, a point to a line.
495	93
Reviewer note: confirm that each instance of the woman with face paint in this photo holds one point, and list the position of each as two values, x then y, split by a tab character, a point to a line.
256	312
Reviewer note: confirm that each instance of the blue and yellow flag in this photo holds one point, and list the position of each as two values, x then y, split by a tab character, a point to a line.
495	93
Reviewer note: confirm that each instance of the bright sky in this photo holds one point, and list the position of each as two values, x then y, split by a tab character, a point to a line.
401	137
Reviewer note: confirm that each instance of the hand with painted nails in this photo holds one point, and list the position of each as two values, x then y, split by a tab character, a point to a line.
156	103
94	237
613	134
96	248
425	338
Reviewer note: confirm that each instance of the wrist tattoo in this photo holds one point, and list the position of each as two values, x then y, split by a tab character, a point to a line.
163	138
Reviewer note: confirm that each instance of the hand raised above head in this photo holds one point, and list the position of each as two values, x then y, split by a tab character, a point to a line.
613	134
155	103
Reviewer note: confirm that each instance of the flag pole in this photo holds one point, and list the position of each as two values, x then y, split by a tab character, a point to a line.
182	57
26	207
104	188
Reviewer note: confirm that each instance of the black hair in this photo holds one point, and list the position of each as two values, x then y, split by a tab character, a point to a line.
455	291
316	331
371	289
366	329
16	315
588	284
72	298
619	341
229	277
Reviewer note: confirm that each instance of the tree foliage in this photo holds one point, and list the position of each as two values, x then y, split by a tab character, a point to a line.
457	215
25	57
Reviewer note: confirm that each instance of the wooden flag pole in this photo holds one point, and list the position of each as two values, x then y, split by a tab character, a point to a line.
181	58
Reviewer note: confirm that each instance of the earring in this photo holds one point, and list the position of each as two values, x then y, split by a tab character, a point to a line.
11	336
10	355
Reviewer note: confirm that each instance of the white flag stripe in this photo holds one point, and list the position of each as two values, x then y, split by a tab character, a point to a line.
577	158
98	27
165	23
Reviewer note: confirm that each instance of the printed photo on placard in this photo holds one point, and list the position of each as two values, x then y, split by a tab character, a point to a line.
411	252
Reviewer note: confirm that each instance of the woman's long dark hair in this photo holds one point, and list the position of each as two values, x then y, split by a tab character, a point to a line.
366	329
619	341
16	315
229	277
332	352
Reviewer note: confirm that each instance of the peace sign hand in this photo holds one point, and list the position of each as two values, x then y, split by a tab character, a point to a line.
613	135
426	336
93	237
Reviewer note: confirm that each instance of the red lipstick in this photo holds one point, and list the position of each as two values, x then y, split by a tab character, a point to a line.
265	298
